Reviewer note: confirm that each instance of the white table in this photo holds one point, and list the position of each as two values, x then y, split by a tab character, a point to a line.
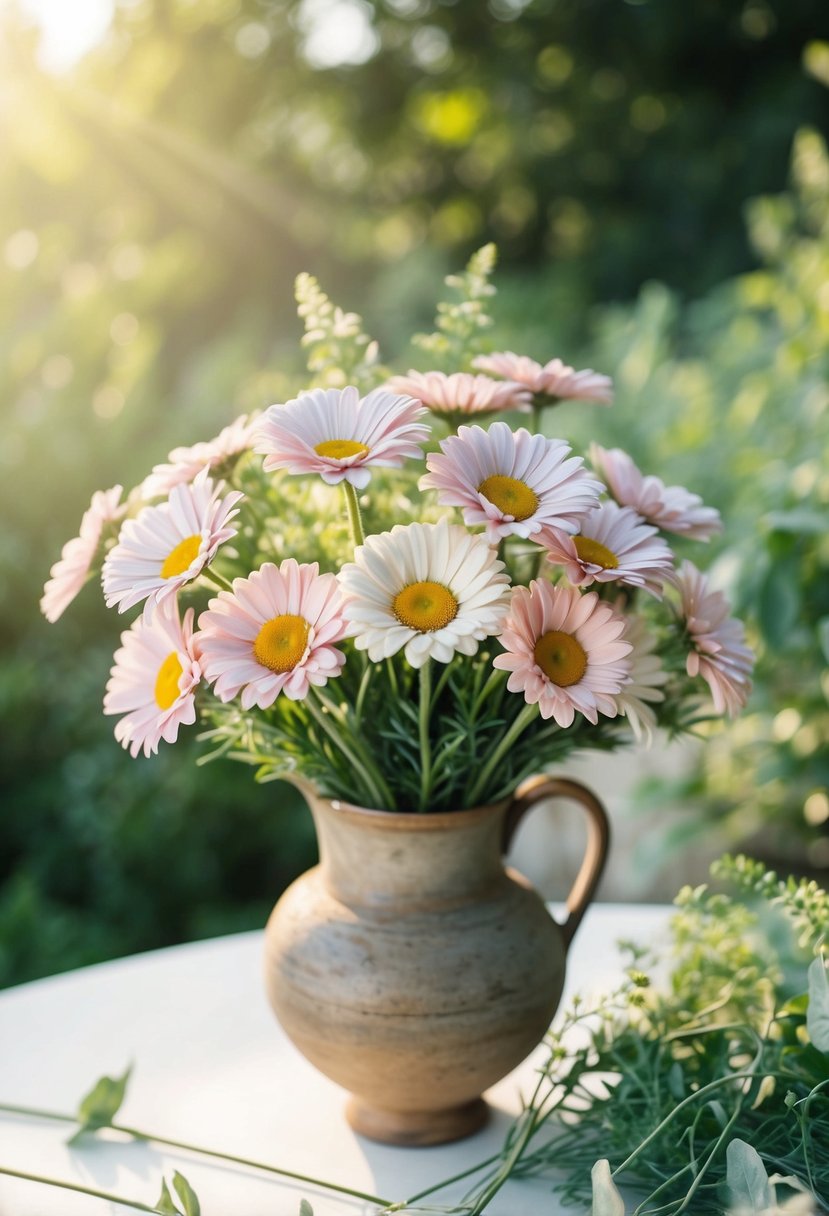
212	1067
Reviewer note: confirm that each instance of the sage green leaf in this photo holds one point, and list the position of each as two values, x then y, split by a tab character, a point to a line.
817	1013
606	1199
188	1197
165	1202
746	1178
100	1106
305	1208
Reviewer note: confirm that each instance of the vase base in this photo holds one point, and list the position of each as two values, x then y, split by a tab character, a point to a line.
417	1128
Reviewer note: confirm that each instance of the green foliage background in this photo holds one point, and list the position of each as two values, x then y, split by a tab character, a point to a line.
156	203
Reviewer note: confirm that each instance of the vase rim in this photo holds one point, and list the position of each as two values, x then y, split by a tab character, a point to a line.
411	820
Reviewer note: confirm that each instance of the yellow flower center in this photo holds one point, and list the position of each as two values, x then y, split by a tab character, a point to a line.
562	659
425	606
281	642
595	553
166	682
510	495
340	449
179	560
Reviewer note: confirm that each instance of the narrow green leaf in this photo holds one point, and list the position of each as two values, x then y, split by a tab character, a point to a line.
746	1178
305	1208
187	1195
165	1202
606	1199
99	1107
817	1014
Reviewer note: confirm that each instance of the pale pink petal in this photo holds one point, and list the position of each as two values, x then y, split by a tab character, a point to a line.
542	608
231	625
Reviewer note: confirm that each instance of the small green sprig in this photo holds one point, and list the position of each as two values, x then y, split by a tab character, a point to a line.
724	1053
339	352
461	323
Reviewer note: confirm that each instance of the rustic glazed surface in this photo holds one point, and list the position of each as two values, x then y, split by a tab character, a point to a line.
412	968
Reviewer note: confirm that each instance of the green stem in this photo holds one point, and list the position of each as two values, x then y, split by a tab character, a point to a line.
148	1138
694	1097
439	1186
218	580
496	677
441	684
387	801
361	693
75	1186
355	519
336	737
425	749
527	714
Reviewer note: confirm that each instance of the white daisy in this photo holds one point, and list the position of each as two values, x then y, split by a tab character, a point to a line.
168	545
431	589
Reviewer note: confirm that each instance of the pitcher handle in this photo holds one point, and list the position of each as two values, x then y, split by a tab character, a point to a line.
598	839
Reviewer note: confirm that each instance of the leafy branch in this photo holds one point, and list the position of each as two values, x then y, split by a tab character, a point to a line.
461	323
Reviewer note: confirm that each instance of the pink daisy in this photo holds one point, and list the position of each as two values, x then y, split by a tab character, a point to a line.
671	508
647	677
461	393
153	680
513	482
614	544
719	653
71	571
186	463
565	652
168	545
553	379
274	633
334	433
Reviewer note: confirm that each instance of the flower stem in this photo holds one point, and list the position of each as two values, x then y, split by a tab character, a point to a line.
336	737
76	1186
218	580
387	800
425	749
148	1138
355	519
519	725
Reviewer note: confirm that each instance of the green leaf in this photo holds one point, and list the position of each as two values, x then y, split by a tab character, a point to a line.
305	1208
606	1199
165	1202
746	1178
100	1106
778	604
187	1195
817	1014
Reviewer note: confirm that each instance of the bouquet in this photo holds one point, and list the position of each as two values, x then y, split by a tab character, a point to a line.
404	589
